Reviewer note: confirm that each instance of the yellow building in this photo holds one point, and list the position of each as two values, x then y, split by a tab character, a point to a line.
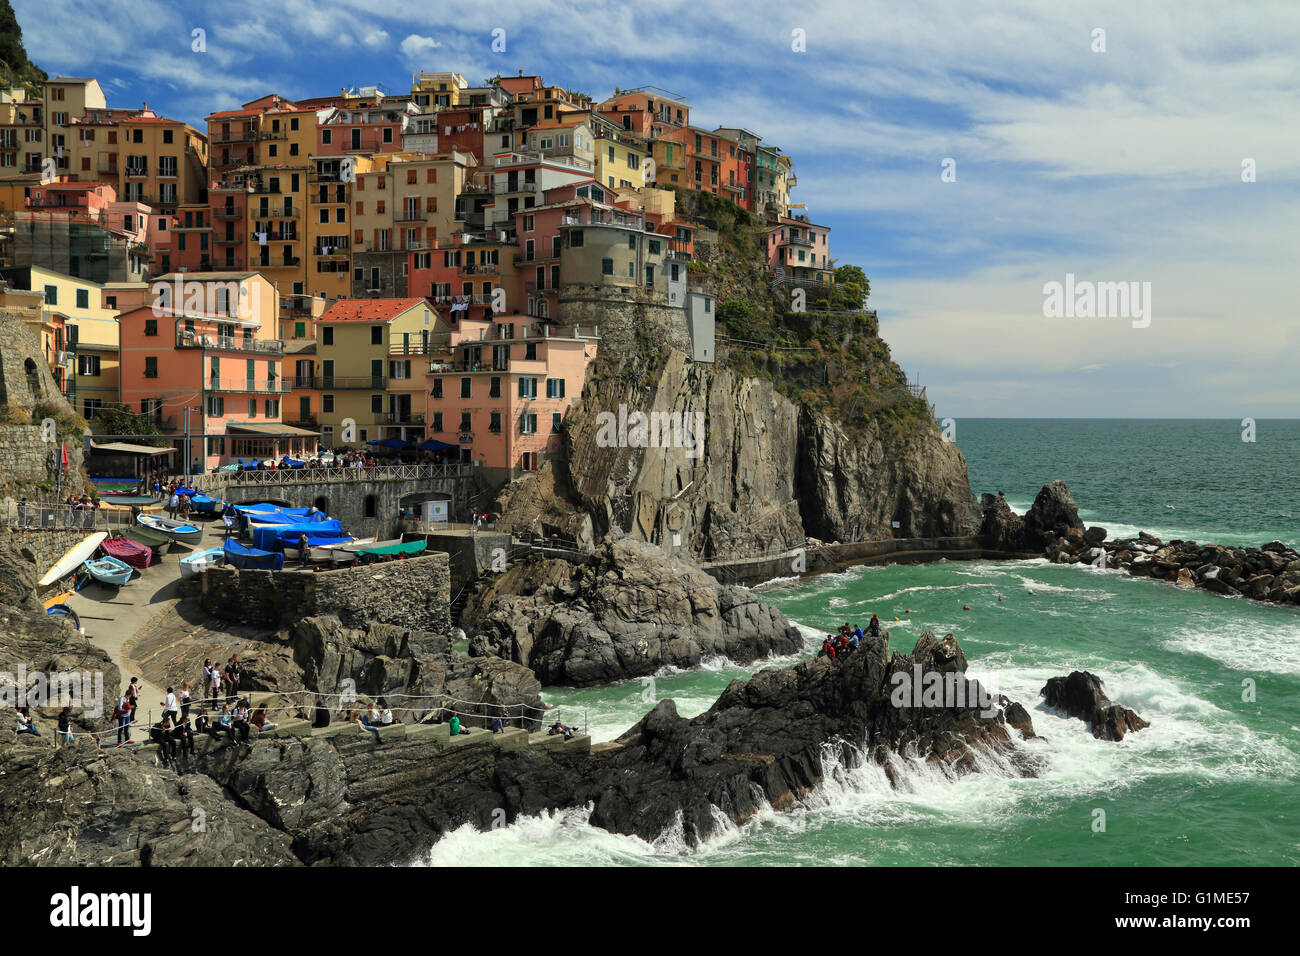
66	99
161	162
79	335
620	156
360	368
437	90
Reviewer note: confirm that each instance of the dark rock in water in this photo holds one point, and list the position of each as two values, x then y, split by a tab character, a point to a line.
1002	529
1052	516
1149	538
629	612
1082	695
1052	513
1094	536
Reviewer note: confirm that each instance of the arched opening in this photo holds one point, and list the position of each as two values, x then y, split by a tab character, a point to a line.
322	504
371	506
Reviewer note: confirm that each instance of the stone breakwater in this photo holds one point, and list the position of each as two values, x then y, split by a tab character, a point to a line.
1267	573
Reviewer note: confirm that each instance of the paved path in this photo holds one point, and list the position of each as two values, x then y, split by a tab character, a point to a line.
114	617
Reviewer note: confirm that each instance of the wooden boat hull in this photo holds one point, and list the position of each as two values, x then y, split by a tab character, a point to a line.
109	571
176	530
73	558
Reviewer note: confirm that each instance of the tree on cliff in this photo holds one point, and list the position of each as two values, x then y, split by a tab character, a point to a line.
851	287
118	420
13	57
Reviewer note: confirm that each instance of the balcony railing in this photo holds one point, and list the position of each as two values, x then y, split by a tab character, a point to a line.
274	386
387	472
243	136
226	240
526	260
226	343
224	213
286	211
276	236
799	241
402	418
491	268
369	382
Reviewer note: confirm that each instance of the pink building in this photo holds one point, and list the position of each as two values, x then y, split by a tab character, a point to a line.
503	388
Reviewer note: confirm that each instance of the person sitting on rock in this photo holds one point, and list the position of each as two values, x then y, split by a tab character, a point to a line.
260	721
366	724
455	727
386	717
322	718
873	628
239	721
225	721
25	723
857	635
828	647
561	728
183	735
498	726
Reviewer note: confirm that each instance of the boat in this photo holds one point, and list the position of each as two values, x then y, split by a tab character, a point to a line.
176	530
132	552
345	554
149	538
62	610
278	514
54	599
323	553
200	561
276	537
109	571
73	558
206	505
394	549
239	556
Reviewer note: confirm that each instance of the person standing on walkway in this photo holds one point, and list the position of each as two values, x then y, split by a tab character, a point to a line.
122	714
173	503
65	726
133	695
232	679
171	709
185	699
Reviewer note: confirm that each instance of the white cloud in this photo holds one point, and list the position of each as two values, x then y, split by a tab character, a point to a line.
416	47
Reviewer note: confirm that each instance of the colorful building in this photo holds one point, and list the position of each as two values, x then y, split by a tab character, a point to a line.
359	370
799	250
503	389
201	358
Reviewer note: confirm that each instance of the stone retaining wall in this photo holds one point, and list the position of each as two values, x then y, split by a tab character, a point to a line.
414	593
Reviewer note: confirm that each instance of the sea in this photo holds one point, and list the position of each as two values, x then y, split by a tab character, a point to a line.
1212	781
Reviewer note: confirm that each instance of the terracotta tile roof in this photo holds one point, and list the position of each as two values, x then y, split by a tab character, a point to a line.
368	310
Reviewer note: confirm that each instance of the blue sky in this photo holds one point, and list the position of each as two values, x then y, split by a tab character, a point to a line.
1115	165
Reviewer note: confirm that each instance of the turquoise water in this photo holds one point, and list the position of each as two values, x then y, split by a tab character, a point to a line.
1212	781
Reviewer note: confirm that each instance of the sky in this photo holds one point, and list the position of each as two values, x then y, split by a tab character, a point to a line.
965	155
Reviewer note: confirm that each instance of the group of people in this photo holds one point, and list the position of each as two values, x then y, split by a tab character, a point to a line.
78	511
846	640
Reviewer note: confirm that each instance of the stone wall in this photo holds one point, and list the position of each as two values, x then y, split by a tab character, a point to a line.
413	593
620	311
470	555
23	461
43	547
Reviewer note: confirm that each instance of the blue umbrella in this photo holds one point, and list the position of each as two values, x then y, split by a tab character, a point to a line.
432	444
389	443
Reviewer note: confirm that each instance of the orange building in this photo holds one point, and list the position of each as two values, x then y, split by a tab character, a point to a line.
201	358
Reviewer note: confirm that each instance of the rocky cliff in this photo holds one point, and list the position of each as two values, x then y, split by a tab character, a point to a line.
626	613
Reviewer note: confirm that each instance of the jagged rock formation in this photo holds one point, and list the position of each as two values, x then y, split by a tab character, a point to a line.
768	475
418	670
853	489
1082	695
1052	515
762	743
628	613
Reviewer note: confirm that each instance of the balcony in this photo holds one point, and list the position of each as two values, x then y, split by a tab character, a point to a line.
604	217
286	262
526	260
241	136
276	236
224	213
376	383
799	241
257	188
407	215
302	421
226	343
481	270
402	418
108	171
226	240
287	211
270	386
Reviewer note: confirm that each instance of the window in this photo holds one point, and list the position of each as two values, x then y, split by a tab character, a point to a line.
91	407
530	351
151	327
216	406
654	247
252	408
527	388
465	387
299	330
151	366
555	388
437	422
376	335
51	295
528	224
436	391
575	237
631	241
466	425
376	404
327	403
607	267
494	424
327	335
557	419
83	298
88	365
528	424
494	389
272	408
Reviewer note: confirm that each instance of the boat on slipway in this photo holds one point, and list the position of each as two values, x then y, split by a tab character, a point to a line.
176	530
109	570
200	561
73	558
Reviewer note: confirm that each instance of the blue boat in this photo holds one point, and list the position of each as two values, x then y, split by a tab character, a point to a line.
199	561
109	571
273	537
278	514
239	556
206	505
